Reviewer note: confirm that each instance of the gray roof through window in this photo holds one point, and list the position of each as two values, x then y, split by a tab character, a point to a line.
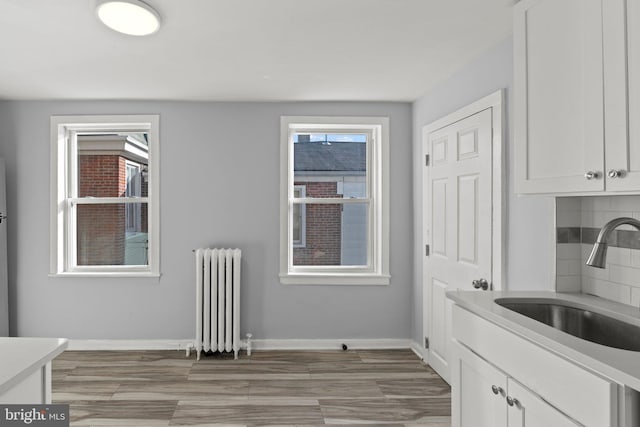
333	157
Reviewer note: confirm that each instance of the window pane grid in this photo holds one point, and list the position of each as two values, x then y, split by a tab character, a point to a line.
107	218
329	201
337	162
106	200
103	166
103	239
332	165
337	235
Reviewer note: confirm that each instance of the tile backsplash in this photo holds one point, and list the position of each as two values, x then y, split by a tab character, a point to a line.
578	221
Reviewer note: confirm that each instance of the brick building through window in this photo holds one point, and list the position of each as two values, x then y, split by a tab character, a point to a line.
335	234
112	166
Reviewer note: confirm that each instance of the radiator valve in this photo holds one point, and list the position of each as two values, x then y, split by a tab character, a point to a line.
249	344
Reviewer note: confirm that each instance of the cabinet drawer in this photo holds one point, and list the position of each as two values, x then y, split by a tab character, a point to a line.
584	396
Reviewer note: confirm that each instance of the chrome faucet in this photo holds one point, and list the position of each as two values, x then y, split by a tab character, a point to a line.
598	254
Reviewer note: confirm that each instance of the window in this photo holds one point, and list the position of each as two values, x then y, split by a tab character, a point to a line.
334	200
104	190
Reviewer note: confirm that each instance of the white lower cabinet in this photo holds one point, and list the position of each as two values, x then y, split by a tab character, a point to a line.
478	391
501	379
527	409
486	396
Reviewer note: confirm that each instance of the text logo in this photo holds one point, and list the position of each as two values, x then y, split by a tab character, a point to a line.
34	415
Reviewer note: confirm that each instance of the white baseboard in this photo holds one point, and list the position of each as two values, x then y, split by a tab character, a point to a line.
421	352
330	344
128	344
266	344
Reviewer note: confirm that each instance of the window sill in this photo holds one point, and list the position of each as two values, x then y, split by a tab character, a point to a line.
103	274
335	279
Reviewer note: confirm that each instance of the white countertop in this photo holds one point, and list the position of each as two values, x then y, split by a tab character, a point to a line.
20	357
621	366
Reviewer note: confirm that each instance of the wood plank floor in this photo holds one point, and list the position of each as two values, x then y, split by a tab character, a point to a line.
164	388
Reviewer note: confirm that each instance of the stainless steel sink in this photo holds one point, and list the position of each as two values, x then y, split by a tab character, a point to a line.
577	321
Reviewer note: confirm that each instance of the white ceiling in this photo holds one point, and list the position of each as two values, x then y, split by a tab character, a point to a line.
237	50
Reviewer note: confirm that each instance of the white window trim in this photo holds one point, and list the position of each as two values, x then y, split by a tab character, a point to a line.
61	238
377	273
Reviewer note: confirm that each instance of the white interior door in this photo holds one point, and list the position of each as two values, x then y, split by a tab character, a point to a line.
458	191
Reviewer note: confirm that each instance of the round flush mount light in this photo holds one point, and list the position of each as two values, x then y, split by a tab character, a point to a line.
132	17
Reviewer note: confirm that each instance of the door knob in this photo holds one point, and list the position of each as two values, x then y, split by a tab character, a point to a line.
615	173
480	284
497	390
512	401
591	175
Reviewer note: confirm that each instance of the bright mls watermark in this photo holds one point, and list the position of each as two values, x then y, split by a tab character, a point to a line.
34	415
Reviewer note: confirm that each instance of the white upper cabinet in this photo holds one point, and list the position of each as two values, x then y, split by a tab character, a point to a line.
621	25
575	104
558	95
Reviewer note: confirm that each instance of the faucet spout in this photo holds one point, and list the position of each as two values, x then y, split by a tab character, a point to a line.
598	255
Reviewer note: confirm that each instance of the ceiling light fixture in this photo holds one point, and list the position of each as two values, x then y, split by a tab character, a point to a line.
132	17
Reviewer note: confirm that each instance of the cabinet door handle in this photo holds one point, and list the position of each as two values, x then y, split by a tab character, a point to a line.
613	173
592	175
512	401
497	390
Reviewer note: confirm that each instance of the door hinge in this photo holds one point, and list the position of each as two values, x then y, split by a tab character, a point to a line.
426	160
426	342
426	250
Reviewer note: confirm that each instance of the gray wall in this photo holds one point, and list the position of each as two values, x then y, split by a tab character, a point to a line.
530	219
219	186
